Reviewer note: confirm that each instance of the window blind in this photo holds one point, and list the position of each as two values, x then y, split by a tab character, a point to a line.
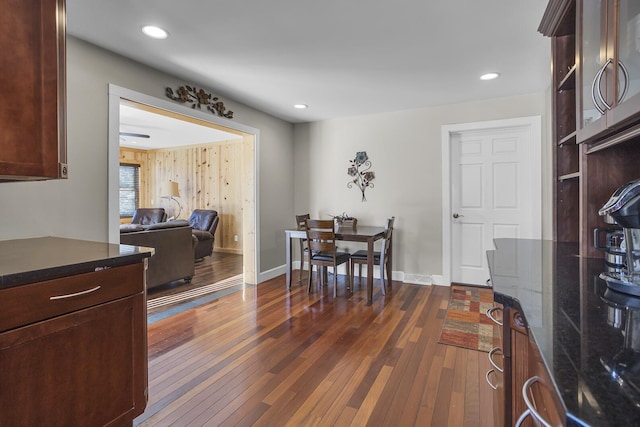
129	189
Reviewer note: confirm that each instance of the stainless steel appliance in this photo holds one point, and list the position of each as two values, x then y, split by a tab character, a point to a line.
624	366
623	250
610	241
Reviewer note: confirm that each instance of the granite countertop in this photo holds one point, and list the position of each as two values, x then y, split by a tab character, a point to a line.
588	335
24	261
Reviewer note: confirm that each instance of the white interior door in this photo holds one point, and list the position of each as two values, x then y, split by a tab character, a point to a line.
495	192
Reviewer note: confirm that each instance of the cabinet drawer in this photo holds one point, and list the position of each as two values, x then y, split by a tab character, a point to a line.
26	304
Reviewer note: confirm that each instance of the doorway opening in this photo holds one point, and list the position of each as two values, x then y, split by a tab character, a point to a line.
245	156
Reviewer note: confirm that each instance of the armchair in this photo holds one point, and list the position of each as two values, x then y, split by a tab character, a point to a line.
204	223
143	218
146	216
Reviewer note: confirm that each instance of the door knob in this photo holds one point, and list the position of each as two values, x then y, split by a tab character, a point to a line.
457	215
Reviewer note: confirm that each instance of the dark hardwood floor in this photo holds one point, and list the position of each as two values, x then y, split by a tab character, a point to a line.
269	356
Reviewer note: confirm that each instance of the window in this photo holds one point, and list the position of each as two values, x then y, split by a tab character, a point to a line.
129	189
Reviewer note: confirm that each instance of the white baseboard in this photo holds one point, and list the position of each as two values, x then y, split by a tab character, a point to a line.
270	274
417	279
439	280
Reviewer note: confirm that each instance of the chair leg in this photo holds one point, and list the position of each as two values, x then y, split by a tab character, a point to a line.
309	278
335	282
382	280
389	275
301	263
351	267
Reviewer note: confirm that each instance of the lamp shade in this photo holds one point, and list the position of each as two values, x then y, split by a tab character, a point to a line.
171	189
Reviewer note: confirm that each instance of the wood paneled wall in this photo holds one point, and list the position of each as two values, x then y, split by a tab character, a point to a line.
209	176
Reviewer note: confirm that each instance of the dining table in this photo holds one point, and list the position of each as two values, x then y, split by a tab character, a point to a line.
362	234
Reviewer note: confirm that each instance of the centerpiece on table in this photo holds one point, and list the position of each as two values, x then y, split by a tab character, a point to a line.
345	220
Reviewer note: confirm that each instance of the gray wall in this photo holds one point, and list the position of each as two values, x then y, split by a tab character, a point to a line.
405	150
404	147
77	207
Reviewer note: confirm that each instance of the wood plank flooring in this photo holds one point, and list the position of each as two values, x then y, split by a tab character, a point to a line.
267	356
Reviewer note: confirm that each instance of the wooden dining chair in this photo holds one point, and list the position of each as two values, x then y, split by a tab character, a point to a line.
322	252
379	258
301	223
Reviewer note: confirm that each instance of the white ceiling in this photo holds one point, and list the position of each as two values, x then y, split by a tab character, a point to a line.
164	131
341	57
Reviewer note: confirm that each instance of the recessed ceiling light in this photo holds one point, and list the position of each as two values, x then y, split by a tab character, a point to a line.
155	32
301	106
489	76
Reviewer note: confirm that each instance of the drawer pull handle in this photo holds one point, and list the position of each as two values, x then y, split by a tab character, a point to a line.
489	315
486	377
77	294
523	416
531	408
491	353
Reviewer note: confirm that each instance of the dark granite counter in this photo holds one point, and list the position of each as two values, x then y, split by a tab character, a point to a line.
588	335
25	261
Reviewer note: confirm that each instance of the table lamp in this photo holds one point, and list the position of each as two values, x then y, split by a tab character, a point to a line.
171	192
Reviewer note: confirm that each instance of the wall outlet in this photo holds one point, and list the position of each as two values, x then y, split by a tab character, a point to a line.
235	238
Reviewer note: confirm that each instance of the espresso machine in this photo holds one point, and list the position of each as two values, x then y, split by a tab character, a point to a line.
623	209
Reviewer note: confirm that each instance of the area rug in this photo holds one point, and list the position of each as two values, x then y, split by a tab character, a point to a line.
169	305
466	323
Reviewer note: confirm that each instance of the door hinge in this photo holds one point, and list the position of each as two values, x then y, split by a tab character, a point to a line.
63	170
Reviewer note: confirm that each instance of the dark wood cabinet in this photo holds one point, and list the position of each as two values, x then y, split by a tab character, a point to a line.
33	88
594	152
609	58
495	376
74	350
523	373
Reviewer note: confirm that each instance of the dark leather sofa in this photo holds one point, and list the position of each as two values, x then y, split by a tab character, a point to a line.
174	247
204	223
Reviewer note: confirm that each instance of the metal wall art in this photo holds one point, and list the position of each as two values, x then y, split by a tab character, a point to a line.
198	98
361	173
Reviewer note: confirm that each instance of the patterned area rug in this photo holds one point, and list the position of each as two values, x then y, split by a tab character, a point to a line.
466	323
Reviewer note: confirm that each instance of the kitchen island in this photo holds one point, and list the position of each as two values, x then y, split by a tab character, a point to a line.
73	337
585	337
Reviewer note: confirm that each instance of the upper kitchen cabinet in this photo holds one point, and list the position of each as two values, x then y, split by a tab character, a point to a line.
32	84
609	71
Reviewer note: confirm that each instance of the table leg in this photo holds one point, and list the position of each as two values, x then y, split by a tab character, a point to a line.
370	270
389	260
289	255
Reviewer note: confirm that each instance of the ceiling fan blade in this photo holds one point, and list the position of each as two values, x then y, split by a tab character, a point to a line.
134	135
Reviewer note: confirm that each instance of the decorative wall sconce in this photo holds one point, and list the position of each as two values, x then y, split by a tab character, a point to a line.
198	98
361	173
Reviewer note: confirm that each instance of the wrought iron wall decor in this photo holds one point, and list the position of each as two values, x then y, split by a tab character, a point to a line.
361	173
198	98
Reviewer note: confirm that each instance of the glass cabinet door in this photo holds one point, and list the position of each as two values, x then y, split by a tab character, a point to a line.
628	58
592	66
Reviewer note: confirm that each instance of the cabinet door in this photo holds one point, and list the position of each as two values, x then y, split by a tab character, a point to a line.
84	368
519	373
593	58
32	111
495	377
627	34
